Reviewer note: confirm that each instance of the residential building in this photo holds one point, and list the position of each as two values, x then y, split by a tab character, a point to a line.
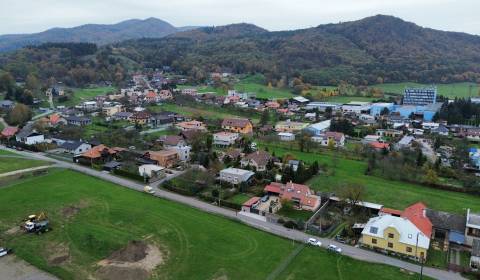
225	138
78	121
290	126
301	196
160	120
405	142
243	126
75	147
371	138
319	128
140	117
392	133
88	106
9	131
178	144
379	145
190	91
337	138
99	153
472	229
472	134
235	176
6	104
258	159
286	136
420	96
440	130
408	234
475	257
112	110
124	116
191	125
29	136
164	158
300	100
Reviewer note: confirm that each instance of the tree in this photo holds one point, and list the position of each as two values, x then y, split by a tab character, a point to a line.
265	117
32	83
431	176
352	194
19	115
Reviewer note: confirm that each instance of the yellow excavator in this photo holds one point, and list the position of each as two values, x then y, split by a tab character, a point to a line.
37	223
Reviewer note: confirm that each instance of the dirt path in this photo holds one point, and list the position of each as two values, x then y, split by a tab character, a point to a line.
284	264
24	170
13	268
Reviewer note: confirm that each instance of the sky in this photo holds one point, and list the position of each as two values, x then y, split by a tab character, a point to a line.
30	16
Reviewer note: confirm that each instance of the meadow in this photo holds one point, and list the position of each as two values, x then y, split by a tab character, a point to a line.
85	94
10	162
194	244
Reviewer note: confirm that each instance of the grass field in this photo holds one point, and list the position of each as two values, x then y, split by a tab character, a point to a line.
394	194
8	164
448	90
196	245
263	91
330	267
85	94
346	99
205	112
239	198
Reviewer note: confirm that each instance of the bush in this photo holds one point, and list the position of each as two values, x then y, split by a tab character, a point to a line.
129	175
290	224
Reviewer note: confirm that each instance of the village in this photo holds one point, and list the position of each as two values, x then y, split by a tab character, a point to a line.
241	152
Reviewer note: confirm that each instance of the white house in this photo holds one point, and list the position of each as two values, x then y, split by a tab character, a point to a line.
235	175
225	138
75	147
149	170
286	136
337	138
178	144
29	136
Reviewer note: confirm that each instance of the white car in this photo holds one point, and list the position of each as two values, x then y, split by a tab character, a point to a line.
314	242
4	251
334	248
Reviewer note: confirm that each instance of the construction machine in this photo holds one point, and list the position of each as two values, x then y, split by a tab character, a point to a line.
37	223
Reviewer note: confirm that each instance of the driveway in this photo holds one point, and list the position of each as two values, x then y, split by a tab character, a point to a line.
356	253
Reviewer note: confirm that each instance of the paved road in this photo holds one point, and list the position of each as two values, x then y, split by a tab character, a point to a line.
353	252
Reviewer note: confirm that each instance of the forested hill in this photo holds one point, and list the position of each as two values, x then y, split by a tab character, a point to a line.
368	51
93	33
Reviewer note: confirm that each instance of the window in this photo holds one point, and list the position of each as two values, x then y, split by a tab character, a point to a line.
373	230
391	235
409	249
374	241
390	245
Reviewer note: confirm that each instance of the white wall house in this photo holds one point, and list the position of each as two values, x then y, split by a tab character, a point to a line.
225	138
286	136
235	175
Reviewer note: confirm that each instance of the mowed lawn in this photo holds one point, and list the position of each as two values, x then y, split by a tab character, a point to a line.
448	90
394	194
213	112
263	91
331	267
196	245
8	164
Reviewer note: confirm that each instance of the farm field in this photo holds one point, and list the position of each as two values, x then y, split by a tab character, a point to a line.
448	90
393	194
8	164
92	218
346	99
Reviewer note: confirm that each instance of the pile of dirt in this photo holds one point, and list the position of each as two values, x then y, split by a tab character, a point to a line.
14	230
137	260
59	254
133	252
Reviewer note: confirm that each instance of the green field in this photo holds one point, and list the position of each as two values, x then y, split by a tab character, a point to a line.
394	194
328	267
8	164
253	84
195	245
347	99
448	90
211	112
239	198
85	94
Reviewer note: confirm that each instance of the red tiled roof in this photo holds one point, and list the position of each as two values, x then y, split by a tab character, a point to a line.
335	135
416	214
54	118
9	131
291	191
236	122
378	145
96	152
251	201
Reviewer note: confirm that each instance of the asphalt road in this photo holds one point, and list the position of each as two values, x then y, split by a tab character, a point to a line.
356	253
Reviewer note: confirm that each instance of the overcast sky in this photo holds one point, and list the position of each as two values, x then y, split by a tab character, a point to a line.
29	16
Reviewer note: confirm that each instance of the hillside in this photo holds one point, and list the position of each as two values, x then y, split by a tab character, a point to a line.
374	50
93	33
368	51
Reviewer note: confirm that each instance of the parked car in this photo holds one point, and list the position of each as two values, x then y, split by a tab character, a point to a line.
5	251
314	242
334	248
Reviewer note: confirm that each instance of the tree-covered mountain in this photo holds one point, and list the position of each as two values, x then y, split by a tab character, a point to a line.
100	34
372	50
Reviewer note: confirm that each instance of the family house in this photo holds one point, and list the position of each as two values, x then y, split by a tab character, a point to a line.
225	138
178	144
75	148
235	176
9	131
78	121
191	125
289	126
472	230
301	195
407	232
140	118
319	128
112	110
258	159
243	126
286	136
29	136
164	158
336	138
99	153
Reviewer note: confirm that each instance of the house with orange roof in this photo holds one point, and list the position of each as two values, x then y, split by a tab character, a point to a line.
406	232
379	145
100	153
9	131
165	158
301	195
191	125
238	125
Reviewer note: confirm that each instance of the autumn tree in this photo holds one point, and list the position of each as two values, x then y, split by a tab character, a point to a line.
19	115
351	194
